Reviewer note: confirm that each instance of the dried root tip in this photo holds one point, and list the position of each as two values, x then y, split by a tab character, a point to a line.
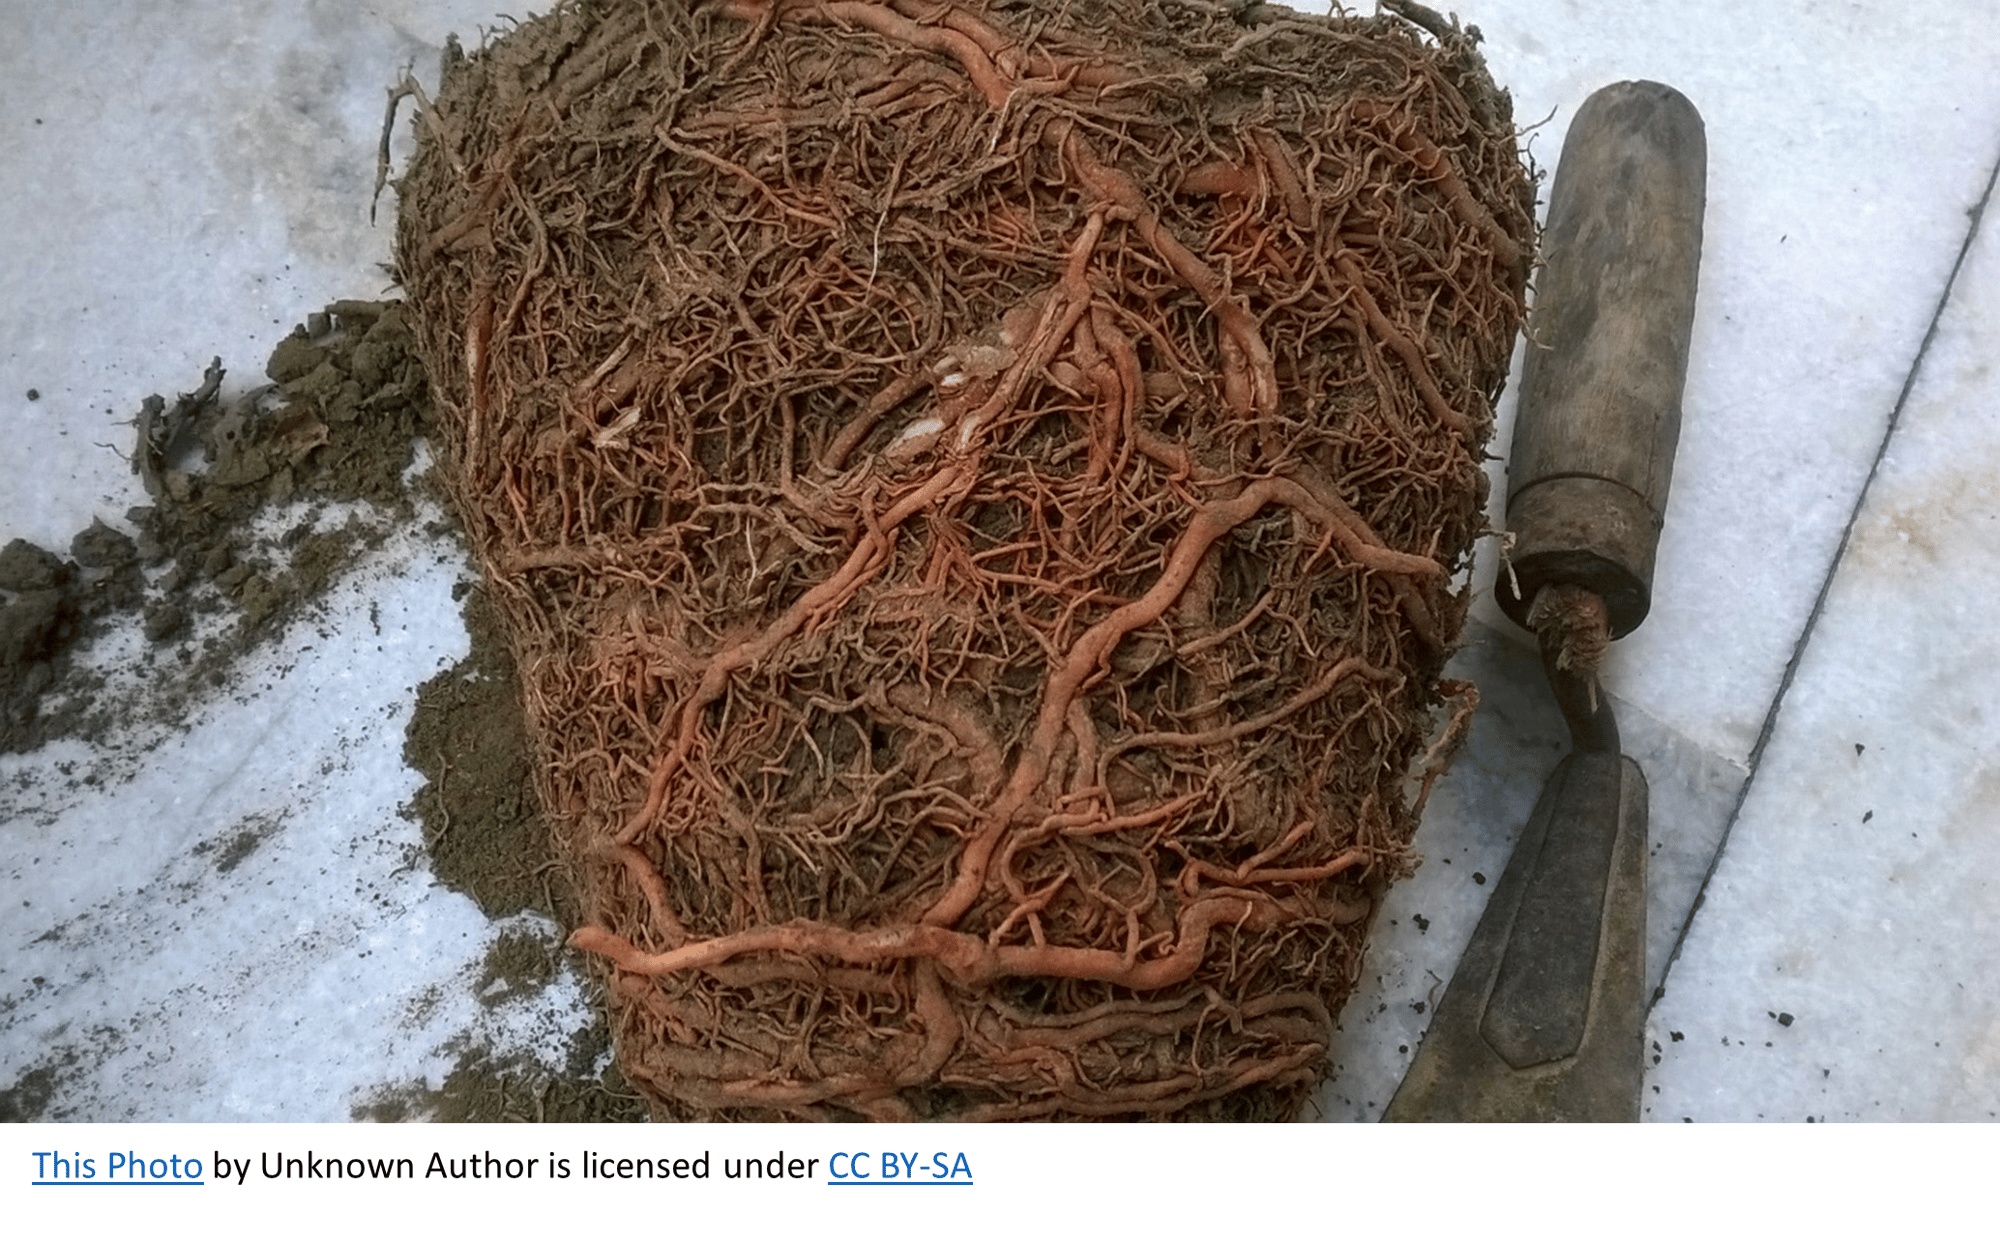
1579	623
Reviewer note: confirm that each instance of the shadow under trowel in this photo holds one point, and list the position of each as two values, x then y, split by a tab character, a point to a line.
1475	814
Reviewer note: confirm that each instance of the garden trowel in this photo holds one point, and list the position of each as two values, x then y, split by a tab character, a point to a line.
1542	1021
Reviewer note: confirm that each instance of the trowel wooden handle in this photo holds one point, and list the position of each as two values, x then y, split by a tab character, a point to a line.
1600	406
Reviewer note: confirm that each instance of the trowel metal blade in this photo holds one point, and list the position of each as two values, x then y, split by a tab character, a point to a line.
1542	1022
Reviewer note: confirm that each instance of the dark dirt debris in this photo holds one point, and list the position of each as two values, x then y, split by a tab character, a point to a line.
213	464
481	1089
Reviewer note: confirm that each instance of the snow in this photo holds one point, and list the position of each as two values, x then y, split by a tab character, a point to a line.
192	179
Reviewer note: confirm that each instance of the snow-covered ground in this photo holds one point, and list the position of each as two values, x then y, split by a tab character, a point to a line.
1811	697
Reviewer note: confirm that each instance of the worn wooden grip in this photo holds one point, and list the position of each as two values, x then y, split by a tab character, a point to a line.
1600	406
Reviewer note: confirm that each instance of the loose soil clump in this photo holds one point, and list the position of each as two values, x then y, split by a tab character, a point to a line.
337	425
976	494
482	818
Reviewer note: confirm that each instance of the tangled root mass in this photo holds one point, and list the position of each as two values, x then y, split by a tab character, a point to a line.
976	491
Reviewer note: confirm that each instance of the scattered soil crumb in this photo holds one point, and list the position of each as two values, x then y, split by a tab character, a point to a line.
240	841
29	1096
520	960
479	1088
36	1096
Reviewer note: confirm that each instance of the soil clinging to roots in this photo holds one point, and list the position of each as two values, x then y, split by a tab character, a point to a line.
976	492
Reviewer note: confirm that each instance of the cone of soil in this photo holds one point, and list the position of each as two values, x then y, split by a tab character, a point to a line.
976	491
